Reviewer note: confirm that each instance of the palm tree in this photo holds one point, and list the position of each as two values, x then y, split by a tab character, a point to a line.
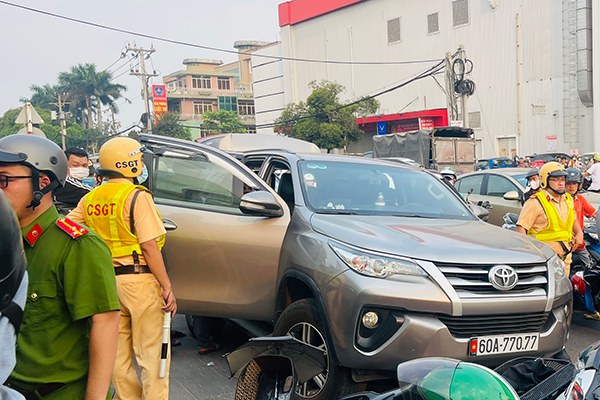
106	93
79	83
43	96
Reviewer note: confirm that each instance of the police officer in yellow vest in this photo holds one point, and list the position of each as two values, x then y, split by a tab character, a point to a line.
549	215
125	216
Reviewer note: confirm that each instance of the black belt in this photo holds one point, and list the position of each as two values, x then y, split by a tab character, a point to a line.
132	269
43	391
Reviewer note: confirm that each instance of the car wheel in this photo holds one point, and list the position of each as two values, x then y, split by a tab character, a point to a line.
302	320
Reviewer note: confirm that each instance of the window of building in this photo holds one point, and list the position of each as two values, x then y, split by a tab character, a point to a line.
201	82
393	30
246	108
433	25
460	12
182	82
475	120
200	107
224	84
228	103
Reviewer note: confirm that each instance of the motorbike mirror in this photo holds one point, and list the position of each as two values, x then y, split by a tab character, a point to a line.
512	195
267	378
470	191
479	212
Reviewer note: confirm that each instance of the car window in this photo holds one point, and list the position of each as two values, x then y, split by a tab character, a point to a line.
279	177
470	182
498	185
199	182
371	189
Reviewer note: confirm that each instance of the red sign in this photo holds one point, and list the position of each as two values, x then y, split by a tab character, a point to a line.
405	126
159	97
426	123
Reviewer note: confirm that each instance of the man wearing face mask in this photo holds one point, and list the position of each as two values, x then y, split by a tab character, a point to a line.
533	184
67	197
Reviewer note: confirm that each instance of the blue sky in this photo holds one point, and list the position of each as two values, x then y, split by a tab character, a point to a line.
35	48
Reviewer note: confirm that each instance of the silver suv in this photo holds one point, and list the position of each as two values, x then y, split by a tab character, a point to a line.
375	262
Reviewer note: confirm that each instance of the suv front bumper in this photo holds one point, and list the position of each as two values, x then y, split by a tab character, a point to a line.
414	325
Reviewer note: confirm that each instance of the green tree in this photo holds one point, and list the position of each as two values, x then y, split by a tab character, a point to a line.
7	122
222	122
323	119
168	125
106	92
43	96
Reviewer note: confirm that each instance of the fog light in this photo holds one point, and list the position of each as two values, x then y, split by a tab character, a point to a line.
566	310
370	319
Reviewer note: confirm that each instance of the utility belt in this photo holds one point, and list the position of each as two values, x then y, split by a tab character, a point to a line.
136	268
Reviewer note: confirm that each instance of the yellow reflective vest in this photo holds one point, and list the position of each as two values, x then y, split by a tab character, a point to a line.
557	229
104	214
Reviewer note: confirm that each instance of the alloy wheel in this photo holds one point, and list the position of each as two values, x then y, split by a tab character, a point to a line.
308	333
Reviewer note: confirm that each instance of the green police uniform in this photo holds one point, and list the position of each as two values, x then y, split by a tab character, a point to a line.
71	278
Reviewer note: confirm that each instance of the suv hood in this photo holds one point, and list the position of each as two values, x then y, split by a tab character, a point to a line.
438	240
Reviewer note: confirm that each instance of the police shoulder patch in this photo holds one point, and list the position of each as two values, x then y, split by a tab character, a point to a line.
71	228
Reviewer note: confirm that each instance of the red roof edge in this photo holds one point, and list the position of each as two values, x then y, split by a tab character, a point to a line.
295	11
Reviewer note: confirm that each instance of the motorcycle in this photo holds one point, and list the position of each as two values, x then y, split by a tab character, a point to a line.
271	368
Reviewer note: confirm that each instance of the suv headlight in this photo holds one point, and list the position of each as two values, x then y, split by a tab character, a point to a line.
376	265
556	265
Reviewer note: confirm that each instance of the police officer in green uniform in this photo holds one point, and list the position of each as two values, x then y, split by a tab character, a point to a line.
66	347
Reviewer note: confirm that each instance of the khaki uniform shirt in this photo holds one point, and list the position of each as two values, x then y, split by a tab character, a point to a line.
148	225
533	217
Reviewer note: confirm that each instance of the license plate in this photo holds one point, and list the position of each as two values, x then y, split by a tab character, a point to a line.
490	345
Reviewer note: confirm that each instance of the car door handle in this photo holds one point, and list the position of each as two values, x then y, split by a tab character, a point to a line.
169	225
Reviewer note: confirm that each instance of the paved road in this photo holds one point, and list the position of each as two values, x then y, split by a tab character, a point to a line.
207	377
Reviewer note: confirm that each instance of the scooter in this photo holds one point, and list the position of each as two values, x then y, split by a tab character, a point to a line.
271	369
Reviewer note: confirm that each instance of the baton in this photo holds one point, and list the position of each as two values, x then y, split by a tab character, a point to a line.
165	345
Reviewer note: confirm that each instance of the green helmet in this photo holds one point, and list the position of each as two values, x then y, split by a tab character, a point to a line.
597	157
448	379
448	172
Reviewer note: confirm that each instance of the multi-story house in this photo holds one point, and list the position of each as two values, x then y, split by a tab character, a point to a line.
209	85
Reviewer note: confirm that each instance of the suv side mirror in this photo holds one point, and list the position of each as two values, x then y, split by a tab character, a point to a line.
512	195
260	203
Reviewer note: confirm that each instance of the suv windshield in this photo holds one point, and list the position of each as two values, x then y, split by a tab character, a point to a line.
366	189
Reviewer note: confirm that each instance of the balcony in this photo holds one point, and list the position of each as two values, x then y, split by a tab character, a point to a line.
198	93
245	119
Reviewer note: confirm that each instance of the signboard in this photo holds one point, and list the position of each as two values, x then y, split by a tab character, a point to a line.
406	126
159	97
382	128
426	123
551	143
457	123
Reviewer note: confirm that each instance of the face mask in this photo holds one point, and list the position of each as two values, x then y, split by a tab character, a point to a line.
79	173
535	185
89	181
142	178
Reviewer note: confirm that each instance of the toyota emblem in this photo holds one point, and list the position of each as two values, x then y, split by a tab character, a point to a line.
503	277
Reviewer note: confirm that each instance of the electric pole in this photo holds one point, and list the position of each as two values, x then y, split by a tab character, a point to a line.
450	99
463	96
61	118
143	54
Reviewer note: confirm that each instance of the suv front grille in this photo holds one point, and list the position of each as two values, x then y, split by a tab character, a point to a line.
473	278
479	325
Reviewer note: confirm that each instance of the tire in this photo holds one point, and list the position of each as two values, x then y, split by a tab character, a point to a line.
302	320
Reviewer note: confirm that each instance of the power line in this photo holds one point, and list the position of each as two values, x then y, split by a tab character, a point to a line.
431	71
79	21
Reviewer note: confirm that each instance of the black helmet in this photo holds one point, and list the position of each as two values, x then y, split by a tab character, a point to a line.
532	172
574	175
12	256
41	155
